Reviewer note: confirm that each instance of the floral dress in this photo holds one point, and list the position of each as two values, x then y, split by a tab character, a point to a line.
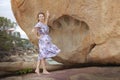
46	48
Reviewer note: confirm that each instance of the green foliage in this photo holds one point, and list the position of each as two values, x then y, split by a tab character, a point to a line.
5	41
24	71
16	34
11	40
6	23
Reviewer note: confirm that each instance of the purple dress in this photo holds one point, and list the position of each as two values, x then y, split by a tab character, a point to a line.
46	48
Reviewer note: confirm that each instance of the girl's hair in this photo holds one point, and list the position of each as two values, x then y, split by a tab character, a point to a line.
39	14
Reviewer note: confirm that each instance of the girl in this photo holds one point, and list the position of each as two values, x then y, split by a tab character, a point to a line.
46	47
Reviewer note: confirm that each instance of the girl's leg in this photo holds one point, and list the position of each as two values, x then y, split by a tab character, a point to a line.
44	67
37	67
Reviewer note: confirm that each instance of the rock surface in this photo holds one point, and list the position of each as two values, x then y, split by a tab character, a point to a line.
85	30
14	66
89	73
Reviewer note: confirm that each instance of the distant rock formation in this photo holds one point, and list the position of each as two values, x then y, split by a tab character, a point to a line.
85	30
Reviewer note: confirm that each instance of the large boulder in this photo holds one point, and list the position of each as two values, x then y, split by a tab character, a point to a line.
85	30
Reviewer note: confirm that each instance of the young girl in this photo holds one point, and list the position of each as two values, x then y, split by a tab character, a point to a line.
46	47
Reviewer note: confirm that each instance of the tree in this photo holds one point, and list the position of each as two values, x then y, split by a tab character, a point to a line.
11	41
6	39
6	24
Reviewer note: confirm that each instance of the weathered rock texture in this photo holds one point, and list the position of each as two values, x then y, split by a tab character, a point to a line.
14	66
84	30
89	73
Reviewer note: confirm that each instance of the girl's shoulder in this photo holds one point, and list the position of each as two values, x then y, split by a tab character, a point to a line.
38	24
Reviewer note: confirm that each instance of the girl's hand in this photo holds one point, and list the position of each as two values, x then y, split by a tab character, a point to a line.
47	16
38	37
47	13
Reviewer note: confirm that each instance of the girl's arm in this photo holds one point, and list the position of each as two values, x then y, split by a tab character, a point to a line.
47	17
35	31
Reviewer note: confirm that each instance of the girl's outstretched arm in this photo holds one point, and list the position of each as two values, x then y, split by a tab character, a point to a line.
47	17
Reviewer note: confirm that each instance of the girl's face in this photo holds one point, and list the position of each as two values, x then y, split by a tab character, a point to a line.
41	17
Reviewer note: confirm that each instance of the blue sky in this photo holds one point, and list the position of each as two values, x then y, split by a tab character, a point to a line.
6	11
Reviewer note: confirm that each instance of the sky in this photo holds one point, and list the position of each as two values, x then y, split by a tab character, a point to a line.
6	11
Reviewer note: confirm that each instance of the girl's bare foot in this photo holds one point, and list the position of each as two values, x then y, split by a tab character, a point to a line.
37	71
46	72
